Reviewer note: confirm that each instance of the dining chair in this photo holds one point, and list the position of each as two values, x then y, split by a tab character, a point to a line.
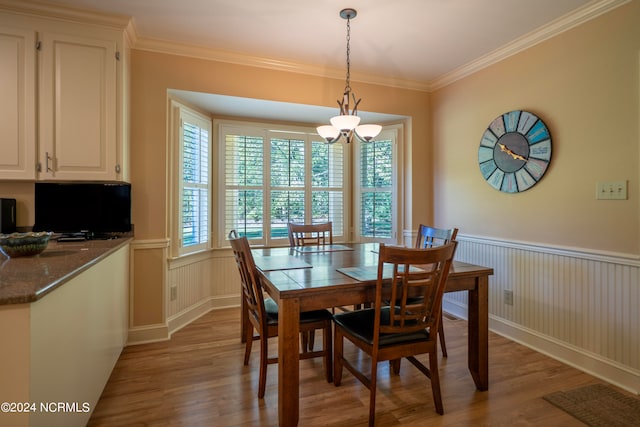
429	237
405	329
310	234
305	235
313	234
263	316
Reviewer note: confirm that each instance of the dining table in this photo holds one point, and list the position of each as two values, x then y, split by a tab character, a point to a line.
316	277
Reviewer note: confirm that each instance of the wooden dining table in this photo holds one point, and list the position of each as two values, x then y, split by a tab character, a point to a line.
308	278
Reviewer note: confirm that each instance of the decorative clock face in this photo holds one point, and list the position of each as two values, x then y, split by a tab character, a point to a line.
515	151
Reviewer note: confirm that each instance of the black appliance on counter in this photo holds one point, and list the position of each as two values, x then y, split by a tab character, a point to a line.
89	209
7	216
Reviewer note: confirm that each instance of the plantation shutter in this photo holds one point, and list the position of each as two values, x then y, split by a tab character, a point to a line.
377	176
244	185
287	188
327	185
194	189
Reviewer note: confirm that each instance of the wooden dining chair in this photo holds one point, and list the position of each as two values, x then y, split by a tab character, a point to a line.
313	234
405	329
263	316
306	235
429	237
310	234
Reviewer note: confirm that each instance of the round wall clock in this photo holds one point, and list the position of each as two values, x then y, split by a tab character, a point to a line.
515	151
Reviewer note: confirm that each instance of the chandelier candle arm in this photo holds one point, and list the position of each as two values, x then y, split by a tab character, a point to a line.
348	123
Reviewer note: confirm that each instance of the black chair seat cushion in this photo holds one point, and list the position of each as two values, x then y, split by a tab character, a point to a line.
271	308
360	324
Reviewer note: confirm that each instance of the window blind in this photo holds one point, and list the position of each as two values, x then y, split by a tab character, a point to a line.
273	178
195	184
376	189
244	185
327	185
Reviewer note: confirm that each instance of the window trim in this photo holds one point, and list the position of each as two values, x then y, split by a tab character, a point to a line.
177	113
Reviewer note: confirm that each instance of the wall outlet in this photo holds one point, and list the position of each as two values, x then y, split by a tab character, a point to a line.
174	293
611	190
508	297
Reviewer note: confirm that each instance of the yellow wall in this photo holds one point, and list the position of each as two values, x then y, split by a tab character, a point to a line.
584	84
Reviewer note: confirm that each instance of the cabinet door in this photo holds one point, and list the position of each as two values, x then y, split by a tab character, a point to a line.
77	108
17	104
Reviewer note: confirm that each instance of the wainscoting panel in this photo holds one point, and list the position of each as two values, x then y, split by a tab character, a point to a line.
585	305
200	284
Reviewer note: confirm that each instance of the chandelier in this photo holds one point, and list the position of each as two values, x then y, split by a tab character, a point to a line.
347	123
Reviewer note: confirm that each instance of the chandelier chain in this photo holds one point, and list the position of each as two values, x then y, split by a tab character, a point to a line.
347	87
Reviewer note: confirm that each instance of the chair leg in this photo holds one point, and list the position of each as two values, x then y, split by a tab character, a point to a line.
312	338
327	343
435	382
441	335
372	392
337	357
304	337
248	339
395	366
264	356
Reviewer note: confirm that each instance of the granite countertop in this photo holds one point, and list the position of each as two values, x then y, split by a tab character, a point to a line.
27	279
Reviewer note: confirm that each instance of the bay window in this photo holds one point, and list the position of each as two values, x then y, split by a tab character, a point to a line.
272	177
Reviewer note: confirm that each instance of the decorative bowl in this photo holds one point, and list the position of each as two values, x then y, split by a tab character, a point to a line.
24	244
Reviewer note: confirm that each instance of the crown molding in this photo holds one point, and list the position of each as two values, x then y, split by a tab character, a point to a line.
64	13
552	29
238	58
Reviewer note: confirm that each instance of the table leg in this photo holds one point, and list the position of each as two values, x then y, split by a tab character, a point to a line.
478	357
288	361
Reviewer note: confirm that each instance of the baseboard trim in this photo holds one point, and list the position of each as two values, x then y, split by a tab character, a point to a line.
185	317
163	332
607	370
148	334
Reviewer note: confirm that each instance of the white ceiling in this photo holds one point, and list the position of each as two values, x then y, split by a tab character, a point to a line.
419	41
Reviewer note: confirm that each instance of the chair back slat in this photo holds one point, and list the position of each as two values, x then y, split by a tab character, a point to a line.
417	284
251	285
311	234
429	237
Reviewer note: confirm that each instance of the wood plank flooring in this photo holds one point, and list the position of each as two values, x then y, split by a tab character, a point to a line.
197	379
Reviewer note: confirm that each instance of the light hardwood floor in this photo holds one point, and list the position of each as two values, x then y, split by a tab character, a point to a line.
198	379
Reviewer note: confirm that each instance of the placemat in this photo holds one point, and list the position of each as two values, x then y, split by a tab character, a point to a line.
322	248
370	273
280	262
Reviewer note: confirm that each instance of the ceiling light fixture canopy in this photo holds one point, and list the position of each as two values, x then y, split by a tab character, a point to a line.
348	123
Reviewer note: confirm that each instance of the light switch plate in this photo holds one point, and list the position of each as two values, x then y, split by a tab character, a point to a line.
611	190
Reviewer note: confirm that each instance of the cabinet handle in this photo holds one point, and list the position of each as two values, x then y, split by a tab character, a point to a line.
47	158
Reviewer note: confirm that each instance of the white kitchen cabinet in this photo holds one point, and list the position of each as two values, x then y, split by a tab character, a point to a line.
63	94
17	103
77	108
